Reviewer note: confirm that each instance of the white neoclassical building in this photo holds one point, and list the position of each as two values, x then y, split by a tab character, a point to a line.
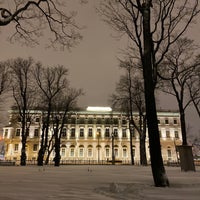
93	135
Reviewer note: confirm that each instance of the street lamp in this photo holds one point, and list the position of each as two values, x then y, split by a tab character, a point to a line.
98	135
113	150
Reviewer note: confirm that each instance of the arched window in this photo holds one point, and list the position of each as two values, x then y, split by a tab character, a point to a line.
116	150
169	153
107	151
72	151
81	151
124	151
90	151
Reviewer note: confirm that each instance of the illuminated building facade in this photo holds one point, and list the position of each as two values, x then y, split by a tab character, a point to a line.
94	135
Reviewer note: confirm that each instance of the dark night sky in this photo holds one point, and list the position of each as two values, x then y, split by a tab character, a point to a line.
93	64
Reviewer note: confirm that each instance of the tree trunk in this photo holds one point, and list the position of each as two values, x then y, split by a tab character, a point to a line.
23	153
23	150
143	157
44	140
158	170
40	157
57	147
49	151
41	151
57	156
142	124
183	127
131	142
185	151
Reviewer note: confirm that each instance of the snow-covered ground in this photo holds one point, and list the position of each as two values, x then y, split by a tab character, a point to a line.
95	183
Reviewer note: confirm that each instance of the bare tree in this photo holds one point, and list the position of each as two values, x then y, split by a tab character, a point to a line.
51	81
4	77
4	88
63	107
129	96
24	95
193	85
150	26
30	19
180	67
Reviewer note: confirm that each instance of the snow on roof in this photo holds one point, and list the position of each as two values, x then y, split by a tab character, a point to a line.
95	108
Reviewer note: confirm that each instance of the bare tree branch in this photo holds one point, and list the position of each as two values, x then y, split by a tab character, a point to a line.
31	18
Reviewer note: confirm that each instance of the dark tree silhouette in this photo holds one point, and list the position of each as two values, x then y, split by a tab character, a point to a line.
180	78
63	106
150	26
51	82
32	19
129	97
24	93
181	67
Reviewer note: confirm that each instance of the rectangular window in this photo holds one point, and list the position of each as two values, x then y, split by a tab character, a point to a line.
36	132
6	133
124	133
81	132
175	121
166	121
167	134
115	133
18	132
90	132
64	132
107	132
16	147
73	132
176	134
35	147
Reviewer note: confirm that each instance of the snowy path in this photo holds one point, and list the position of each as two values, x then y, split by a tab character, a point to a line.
95	183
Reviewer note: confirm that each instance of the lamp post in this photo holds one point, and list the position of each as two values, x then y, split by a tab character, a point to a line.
98	135
113	150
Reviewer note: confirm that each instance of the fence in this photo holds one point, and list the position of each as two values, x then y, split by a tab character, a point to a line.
90	162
